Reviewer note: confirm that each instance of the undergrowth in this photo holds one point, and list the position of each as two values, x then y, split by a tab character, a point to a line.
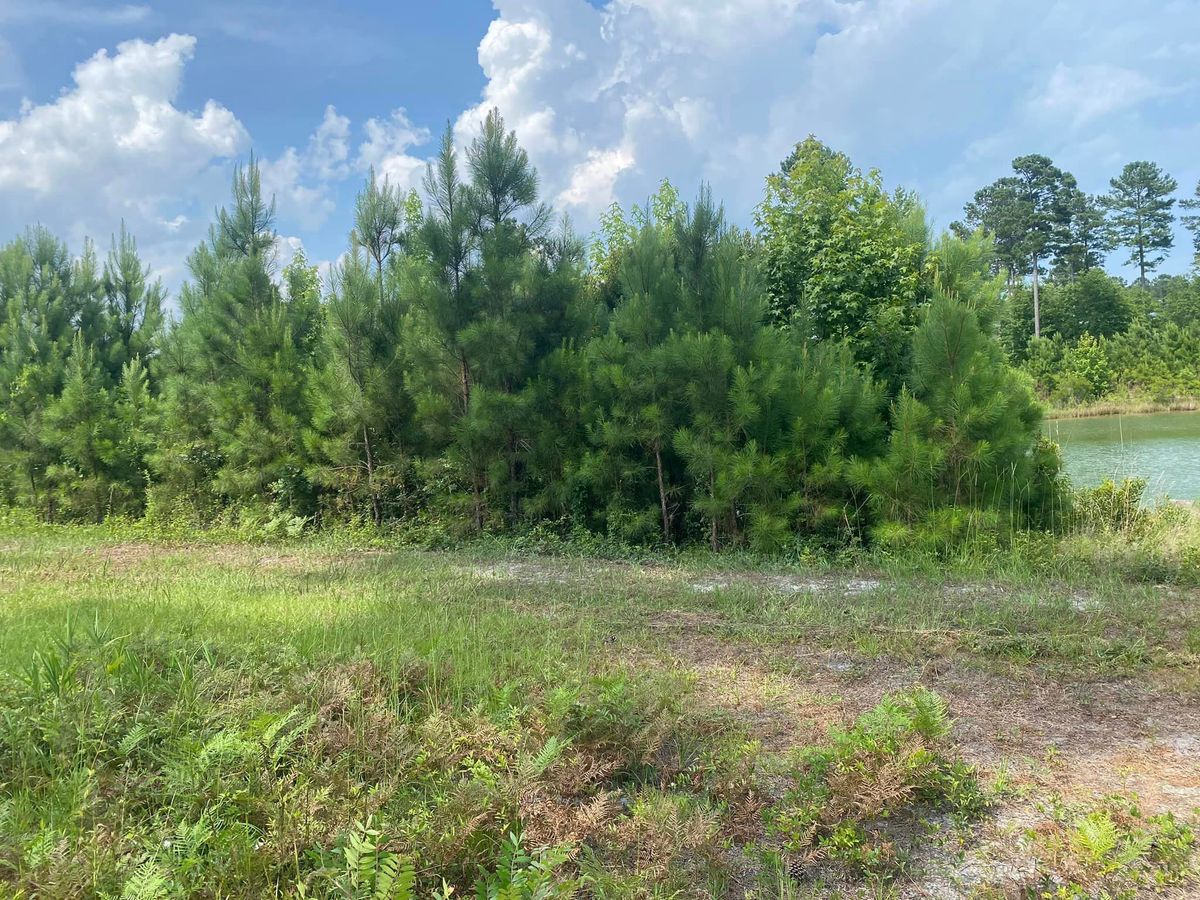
1109	850
893	762
1107	531
134	769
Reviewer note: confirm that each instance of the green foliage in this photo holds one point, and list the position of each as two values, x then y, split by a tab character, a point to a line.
1192	222
1142	218
76	404
361	435
464	370
843	258
964	429
1093	303
373	873
521	875
892	760
233	771
1110	506
701	413
1083	371
497	294
1085	238
1111	850
236	368
1030	215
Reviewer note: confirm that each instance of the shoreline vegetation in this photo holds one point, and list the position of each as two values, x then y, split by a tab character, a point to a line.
1118	407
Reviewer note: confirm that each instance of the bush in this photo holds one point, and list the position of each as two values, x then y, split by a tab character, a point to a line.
895	757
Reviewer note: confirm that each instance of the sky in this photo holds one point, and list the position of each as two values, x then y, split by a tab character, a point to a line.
138	112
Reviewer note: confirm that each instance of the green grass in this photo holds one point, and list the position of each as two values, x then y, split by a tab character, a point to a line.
315	718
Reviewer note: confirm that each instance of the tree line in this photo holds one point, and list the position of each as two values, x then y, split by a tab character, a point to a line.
836	373
1082	334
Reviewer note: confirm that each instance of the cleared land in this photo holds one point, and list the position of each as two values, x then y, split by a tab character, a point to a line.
234	720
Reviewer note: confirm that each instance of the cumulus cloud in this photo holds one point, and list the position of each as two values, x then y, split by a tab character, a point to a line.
386	149
608	98
115	146
939	94
302	180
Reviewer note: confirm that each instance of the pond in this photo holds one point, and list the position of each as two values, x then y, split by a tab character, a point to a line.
1163	448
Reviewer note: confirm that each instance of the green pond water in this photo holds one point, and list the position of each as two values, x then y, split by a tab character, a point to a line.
1163	448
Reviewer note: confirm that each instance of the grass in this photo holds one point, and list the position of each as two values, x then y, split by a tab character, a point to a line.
319	718
1115	406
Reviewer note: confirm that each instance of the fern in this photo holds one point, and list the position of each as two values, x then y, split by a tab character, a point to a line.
137	734
1095	837
282	734
522	875
371	872
536	766
40	849
930	714
150	881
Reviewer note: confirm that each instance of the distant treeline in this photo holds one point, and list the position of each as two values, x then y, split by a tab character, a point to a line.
1083	335
833	375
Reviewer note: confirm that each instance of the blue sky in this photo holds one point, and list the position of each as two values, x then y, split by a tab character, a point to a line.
140	111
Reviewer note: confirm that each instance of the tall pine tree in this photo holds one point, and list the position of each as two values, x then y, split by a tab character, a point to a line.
1141	204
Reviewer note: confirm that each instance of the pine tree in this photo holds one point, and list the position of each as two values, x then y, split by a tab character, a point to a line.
133	308
1028	214
1141	205
500	298
1085	239
236	370
965	427
361	410
100	437
43	295
1192	223
701	411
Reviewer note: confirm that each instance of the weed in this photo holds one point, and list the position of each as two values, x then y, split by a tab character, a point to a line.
891	760
1109	850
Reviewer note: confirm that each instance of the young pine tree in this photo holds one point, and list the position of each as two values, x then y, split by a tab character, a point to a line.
100	437
499	298
965	428
237	366
705	418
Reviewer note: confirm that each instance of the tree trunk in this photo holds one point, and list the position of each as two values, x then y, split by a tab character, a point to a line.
464	377
1141	247
662	493
477	497
376	504
712	531
1037	310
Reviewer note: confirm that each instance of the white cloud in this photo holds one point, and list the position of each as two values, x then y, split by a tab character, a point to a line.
78	14
301	181
386	149
1079	94
939	94
329	146
116	146
593	180
284	179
